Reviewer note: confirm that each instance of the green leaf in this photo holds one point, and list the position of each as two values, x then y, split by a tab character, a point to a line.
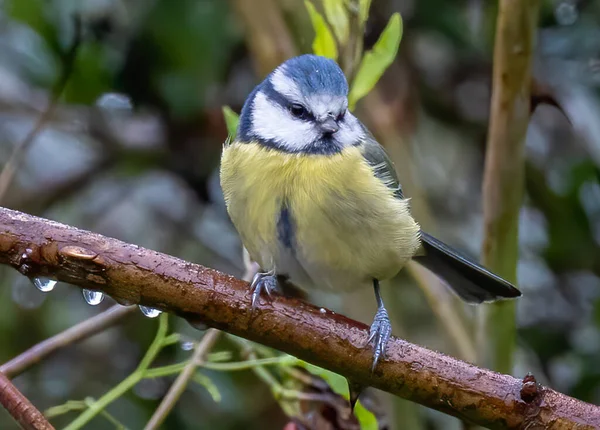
339	385
366	418
337	16
324	43
232	120
363	11
377	60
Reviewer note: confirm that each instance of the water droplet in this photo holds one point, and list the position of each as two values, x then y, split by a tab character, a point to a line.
44	284
187	346
114	101
93	297
149	312
198	325
566	13
323	310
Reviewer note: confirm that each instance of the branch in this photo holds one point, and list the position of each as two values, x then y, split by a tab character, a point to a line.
180	384
503	181
130	274
79	332
11	165
21	409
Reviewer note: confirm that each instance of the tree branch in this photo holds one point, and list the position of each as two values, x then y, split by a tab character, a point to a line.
21	409
130	274
10	168
79	332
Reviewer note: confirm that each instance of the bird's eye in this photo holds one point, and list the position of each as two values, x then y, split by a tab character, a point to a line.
298	111
341	115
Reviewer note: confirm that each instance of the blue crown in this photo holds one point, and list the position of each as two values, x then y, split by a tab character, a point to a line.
315	74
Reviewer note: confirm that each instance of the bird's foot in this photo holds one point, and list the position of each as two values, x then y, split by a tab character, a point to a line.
266	282
380	332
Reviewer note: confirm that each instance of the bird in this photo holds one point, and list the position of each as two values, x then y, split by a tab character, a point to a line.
317	201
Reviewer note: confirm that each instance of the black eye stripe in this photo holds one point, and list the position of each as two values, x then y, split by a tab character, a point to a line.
300	112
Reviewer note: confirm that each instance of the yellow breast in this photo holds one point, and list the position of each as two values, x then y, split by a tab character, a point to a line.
346	226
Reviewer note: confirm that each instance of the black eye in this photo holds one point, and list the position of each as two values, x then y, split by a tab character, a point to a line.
298	111
341	115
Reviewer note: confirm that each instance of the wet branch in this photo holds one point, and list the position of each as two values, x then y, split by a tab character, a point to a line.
131	275
21	409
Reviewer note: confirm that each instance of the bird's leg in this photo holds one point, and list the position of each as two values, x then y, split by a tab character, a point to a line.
263	281
381	329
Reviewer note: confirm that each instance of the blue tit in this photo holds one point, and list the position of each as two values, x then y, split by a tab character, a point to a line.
316	199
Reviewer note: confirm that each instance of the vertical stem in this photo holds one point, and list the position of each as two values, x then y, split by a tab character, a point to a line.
99	405
504	170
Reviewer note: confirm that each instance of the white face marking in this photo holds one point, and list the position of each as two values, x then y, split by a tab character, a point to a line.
285	86
271	121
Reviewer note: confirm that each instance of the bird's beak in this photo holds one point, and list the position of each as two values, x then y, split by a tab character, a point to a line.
328	126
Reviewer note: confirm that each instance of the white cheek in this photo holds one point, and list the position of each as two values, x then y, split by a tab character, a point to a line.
271	121
350	131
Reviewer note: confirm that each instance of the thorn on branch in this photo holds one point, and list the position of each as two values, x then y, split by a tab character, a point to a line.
530	389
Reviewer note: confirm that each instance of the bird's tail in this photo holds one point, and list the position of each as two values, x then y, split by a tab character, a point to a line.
470	281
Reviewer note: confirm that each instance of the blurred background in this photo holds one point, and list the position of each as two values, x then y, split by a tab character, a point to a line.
131	150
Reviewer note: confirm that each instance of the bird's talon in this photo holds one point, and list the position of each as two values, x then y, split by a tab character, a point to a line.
266	282
380	333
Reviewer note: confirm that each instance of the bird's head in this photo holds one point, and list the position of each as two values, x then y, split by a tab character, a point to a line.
302	106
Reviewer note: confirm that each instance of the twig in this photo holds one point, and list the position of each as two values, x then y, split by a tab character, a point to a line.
178	387
13	162
267	35
79	332
441	303
21	409
503	182
99	405
202	349
135	275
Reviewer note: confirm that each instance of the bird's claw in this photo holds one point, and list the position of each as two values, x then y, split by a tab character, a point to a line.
380	332
266	282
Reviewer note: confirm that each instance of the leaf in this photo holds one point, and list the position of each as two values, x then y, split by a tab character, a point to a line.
232	120
337	16
363	11
339	385
366	418
324	43
377	60
337	382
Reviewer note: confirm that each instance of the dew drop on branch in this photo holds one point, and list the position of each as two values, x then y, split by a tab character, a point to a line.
43	284
149	312
187	345
93	297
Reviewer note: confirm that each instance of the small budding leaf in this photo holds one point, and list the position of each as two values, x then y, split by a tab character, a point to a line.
232	120
337	16
363	10
339	385
377	60
324	43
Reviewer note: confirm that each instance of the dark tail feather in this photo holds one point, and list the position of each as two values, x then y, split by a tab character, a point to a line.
470	281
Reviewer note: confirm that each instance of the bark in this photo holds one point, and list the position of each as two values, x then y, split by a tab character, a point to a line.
21	409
